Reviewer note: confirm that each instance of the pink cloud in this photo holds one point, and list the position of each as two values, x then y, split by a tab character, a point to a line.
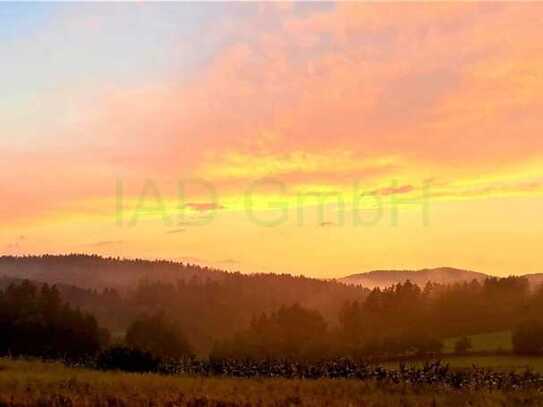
455	88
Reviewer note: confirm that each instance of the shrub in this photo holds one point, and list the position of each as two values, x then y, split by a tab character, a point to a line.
127	359
462	345
291	332
528	338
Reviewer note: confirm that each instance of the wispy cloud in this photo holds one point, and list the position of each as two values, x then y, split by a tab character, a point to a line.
403	189
106	243
228	261
204	206
175	231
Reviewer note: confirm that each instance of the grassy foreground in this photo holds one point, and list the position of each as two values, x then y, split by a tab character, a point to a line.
32	383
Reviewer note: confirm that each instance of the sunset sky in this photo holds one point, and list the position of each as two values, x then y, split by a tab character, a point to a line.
317	139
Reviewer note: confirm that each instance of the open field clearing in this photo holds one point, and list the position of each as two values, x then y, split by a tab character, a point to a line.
31	383
495	362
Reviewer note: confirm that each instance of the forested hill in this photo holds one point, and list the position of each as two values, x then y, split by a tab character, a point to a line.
91	271
213	305
387	278
145	279
439	275
208	304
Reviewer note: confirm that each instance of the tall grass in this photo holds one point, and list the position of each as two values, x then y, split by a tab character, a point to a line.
34	383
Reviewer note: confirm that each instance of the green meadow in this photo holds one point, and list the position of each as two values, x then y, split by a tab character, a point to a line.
491	350
486	342
494	362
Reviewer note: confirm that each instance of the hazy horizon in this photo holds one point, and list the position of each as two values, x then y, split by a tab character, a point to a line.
223	266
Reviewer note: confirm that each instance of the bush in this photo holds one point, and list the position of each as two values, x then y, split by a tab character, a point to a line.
528	338
127	359
462	345
291	333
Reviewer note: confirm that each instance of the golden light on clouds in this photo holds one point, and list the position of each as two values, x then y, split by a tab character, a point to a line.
398	103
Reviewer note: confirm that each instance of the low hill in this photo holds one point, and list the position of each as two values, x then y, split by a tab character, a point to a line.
386	278
535	279
208	304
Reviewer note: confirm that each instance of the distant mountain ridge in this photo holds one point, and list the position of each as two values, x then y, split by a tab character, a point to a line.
96	272
386	278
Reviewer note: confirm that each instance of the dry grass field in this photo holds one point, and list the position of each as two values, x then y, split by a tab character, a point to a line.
34	383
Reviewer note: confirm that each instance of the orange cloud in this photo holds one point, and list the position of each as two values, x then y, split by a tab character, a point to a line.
444	89
385	94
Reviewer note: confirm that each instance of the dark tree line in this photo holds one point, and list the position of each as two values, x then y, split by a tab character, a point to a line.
254	316
207	304
35	321
400	320
405	318
208	310
150	341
